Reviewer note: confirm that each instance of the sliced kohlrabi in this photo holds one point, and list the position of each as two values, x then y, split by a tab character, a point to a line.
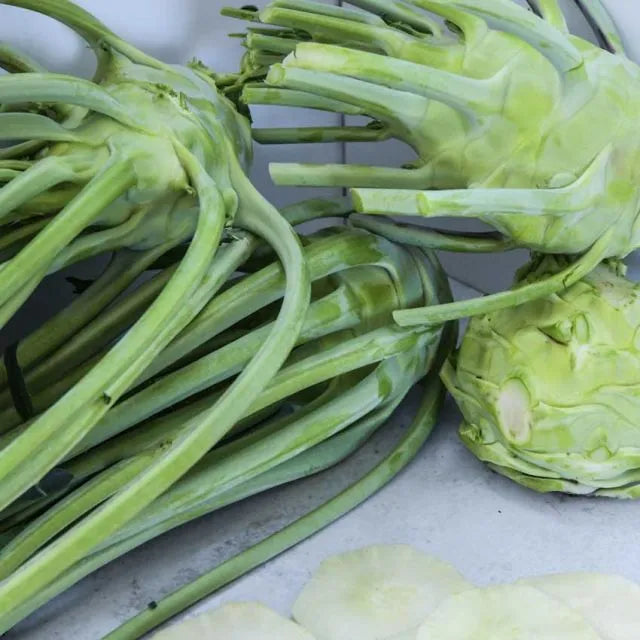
236	621
610	604
508	612
374	593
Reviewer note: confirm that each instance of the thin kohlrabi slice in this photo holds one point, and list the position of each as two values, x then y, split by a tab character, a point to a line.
236	621
610	604
506	612
374	593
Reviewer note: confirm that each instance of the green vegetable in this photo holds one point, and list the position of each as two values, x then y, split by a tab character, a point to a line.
375	592
549	389
350	369
514	122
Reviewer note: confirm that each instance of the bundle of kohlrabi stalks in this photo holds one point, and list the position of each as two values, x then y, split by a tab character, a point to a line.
247	355
517	123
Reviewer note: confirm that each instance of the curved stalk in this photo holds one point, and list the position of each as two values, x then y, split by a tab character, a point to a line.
104	189
455	310
402	13
10	306
36	180
22	150
70	509
56	87
15	61
86	25
14	239
427	238
512	18
550	11
315	460
266	95
31	126
122	270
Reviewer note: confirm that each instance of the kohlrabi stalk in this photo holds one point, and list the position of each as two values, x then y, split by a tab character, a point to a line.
144	144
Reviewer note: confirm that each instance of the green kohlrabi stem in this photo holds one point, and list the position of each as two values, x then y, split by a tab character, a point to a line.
550	11
338	175
34	181
298	531
265	95
106	187
15	238
297	135
15	61
314	460
455	310
70	509
8	309
427	238
605	28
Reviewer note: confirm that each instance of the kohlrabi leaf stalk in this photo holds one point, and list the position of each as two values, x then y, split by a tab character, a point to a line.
358	362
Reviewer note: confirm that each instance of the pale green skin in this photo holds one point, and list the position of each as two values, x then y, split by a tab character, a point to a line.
540	125
550	390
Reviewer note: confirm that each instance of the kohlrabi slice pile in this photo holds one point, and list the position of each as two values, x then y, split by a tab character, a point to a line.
395	592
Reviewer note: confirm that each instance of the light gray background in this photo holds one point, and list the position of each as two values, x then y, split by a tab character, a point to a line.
446	503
